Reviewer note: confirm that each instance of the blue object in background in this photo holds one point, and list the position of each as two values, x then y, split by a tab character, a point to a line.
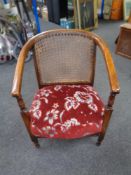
102	8
36	15
67	23
5	1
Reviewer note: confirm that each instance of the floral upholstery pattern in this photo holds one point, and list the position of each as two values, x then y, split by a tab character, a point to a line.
66	111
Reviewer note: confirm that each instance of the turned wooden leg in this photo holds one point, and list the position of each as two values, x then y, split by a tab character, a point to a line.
26	119
100	139
35	141
106	118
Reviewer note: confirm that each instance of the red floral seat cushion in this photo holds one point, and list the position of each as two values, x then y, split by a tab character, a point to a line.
66	111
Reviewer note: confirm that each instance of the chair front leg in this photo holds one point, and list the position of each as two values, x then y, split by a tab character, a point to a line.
106	117
26	119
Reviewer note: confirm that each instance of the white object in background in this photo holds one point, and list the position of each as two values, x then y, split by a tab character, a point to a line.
14	11
7	6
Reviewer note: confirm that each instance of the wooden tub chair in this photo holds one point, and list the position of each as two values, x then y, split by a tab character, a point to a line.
66	106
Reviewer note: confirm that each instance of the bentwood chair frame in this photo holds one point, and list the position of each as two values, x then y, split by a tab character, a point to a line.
112	76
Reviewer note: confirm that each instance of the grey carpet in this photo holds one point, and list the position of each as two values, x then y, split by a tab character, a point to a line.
75	157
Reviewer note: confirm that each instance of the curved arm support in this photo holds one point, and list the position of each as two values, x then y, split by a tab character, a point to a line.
17	82
114	84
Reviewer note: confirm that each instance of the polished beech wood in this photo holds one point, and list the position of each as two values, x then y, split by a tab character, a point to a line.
112	76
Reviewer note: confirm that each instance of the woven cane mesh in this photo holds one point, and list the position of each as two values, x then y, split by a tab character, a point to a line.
64	57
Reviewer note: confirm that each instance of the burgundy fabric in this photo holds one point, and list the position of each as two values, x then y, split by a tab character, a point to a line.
66	111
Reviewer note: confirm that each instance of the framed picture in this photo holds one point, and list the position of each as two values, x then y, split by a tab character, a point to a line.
85	12
127	9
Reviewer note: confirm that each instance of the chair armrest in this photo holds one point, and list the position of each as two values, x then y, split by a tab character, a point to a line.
17	82
112	75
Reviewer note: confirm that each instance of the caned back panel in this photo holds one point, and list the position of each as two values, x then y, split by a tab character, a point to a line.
65	57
